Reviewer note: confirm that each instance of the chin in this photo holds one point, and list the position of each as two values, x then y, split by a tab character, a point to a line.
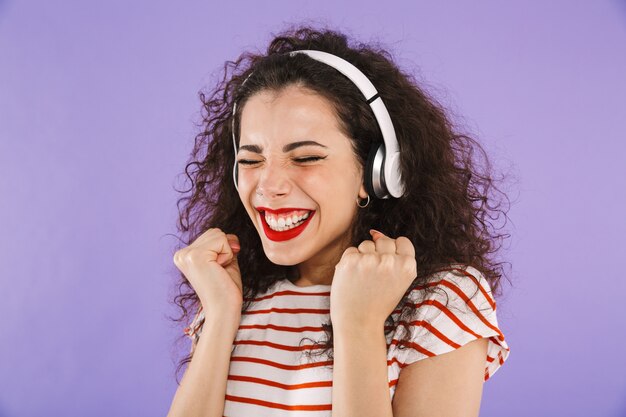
284	259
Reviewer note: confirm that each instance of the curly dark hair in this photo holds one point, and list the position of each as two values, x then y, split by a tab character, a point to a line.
447	206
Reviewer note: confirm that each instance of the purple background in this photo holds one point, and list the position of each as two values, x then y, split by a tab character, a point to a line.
97	109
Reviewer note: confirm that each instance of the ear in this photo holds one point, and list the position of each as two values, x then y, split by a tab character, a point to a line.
362	192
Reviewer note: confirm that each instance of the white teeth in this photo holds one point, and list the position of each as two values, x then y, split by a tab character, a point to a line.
281	229
285	223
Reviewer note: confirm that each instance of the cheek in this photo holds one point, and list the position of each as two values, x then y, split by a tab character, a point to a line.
332	191
310	179
246	182
329	177
244	176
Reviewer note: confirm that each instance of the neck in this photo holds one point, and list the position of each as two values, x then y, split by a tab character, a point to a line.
320	269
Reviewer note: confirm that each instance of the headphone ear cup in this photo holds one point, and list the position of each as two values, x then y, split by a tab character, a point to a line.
370	169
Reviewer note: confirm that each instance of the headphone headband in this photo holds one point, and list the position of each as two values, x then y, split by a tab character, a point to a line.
383	171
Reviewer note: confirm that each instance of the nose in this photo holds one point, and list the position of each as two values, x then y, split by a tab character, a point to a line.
274	180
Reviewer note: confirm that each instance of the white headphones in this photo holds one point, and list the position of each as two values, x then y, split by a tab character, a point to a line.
382	171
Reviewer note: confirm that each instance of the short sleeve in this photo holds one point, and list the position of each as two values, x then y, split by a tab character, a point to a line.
195	327
470	314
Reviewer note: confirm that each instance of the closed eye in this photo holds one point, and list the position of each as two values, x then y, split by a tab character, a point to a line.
300	160
309	159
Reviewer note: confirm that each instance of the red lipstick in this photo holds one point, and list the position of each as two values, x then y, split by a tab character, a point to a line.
287	234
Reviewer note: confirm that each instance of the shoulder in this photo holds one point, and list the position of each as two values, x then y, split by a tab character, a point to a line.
455	307
459	288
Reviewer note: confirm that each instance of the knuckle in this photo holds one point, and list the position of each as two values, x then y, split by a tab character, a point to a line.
190	255
352	258
404	239
410	266
387	261
178	256
370	259
214	231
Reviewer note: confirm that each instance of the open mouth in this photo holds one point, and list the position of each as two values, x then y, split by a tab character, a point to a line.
278	236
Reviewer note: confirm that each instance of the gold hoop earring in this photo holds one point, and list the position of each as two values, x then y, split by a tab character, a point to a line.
366	204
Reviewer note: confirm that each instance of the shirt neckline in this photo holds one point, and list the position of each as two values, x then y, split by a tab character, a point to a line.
293	286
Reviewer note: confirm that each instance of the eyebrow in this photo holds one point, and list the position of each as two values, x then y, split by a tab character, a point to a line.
288	147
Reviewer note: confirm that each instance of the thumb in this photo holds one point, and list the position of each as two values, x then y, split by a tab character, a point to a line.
226	257
376	234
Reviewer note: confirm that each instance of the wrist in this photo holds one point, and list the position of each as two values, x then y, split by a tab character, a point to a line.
224	324
221	316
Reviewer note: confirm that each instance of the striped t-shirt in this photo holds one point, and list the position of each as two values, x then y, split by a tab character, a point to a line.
270	375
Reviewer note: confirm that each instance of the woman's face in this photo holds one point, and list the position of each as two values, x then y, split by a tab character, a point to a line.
280	177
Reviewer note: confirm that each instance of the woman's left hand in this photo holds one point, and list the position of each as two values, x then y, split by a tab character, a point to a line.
370	280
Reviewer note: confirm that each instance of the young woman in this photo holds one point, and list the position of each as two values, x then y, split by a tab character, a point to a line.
338	245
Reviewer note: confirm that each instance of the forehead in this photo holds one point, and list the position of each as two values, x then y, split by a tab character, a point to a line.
292	113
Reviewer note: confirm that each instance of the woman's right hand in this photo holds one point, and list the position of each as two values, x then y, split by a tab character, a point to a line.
211	267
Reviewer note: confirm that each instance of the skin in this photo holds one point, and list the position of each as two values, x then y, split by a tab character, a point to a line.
379	266
330	186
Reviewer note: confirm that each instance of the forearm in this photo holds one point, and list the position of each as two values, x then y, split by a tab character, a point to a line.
203	387
360	381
